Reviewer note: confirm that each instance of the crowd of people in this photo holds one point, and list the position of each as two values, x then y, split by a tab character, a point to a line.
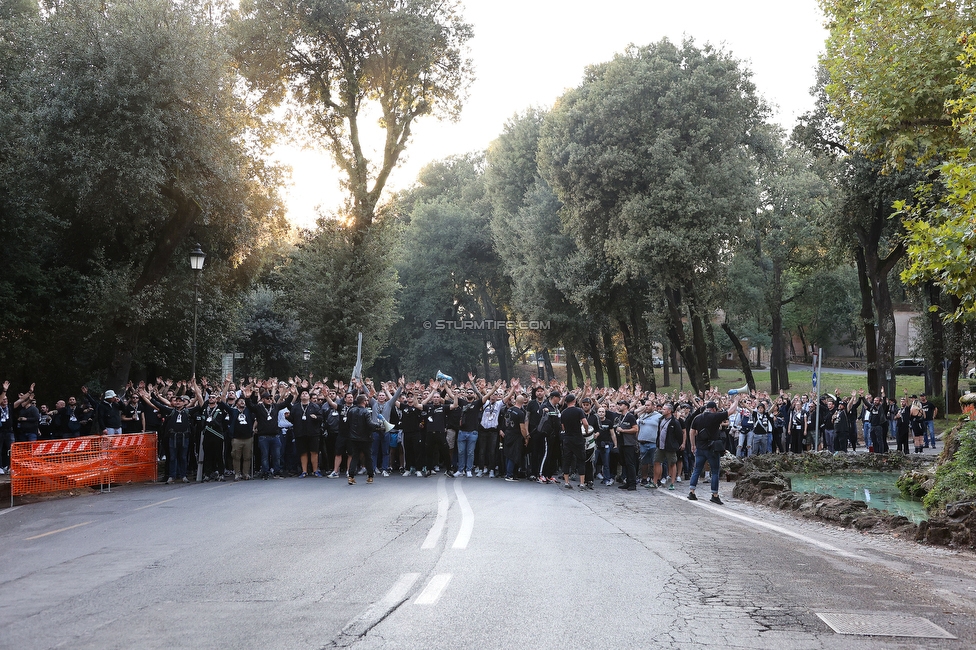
542	432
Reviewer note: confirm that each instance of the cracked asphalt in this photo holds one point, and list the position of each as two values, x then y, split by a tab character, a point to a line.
315	563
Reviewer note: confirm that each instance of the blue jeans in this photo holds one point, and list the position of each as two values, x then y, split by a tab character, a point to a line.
701	457
867	434
467	441
381	450
178	445
930	433
647	450
270	446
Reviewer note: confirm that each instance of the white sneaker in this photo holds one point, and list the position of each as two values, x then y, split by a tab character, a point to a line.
420	474
333	475
599	476
385	473
677	479
3	472
362	470
491	474
478	473
468	474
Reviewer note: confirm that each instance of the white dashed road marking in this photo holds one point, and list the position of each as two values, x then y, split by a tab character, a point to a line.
59	530
433	590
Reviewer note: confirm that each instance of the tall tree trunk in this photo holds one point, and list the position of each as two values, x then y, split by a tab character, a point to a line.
594	350
937	350
548	361
779	369
743	359
665	358
803	342
697	371
634	353
700	347
867	321
712	350
574	364
954	368
613	366
173	233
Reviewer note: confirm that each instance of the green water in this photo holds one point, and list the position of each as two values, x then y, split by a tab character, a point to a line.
877	489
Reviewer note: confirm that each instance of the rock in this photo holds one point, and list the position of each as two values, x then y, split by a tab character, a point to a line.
961	509
865	522
938	534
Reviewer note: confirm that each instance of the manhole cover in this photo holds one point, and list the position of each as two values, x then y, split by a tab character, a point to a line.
876	624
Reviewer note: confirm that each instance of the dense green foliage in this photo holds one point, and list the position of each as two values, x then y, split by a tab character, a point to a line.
955	480
124	144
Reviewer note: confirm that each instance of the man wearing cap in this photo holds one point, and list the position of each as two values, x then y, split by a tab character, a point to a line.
708	446
108	412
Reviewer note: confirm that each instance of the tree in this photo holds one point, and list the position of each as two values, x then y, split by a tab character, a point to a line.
451	272
138	148
892	68
943	249
651	159
786	238
342	282
345	62
535	252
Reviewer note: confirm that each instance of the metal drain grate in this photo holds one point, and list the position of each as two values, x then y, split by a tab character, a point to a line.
876	624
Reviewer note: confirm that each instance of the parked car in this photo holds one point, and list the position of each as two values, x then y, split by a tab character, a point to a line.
657	362
910	367
972	373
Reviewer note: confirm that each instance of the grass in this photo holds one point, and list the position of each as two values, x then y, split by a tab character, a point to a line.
801	382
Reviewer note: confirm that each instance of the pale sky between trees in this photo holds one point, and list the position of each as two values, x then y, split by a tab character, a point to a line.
528	52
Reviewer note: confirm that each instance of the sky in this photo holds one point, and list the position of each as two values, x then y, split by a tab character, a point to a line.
526	53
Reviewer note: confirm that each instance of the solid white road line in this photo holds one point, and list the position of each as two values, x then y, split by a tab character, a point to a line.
11	509
53	532
779	529
157	503
435	531
433	590
467	518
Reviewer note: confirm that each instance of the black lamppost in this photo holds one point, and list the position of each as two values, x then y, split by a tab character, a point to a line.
541	361
197	256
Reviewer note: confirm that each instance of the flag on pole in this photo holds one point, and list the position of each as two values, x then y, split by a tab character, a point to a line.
357	371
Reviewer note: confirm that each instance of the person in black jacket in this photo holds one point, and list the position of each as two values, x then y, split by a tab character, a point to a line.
670	441
265	413
306	416
108	412
360	420
178	419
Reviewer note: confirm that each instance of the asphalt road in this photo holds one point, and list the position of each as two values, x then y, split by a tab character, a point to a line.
455	563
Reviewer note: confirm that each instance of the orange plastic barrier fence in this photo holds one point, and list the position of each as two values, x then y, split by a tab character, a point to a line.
53	465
